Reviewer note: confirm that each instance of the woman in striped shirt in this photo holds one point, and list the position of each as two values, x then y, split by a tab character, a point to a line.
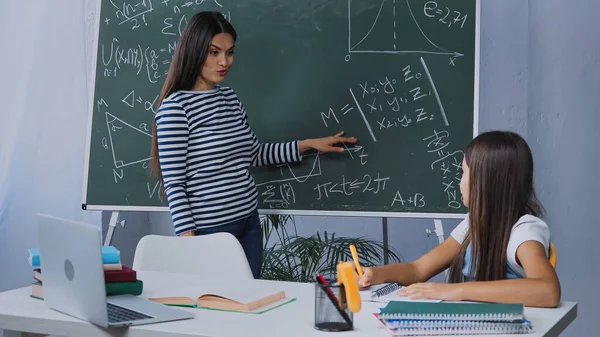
203	145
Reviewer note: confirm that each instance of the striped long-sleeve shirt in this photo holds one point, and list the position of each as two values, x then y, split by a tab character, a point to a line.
206	148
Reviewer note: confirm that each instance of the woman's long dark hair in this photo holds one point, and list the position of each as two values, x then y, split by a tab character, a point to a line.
501	191
186	66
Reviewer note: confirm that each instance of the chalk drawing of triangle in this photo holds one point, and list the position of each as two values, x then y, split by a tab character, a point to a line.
125	142
390	27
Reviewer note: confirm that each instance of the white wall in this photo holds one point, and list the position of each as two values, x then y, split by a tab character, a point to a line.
44	119
563	120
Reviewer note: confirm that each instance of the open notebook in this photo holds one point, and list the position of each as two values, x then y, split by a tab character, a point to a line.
231	298
366	295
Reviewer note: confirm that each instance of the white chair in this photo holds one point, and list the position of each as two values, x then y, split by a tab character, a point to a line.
219	254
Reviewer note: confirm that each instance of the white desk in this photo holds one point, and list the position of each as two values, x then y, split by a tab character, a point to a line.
19	312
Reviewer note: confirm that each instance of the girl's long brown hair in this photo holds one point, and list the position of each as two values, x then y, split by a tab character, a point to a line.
501	191
186	66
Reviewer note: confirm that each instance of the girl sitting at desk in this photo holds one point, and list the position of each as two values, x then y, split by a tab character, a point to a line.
500	251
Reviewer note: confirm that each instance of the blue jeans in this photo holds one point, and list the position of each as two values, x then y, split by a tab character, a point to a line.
249	232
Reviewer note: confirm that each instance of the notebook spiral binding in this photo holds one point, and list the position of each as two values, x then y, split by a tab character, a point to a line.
385	290
455	317
403	324
460	331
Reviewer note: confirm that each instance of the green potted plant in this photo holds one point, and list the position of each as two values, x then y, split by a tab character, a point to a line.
289	257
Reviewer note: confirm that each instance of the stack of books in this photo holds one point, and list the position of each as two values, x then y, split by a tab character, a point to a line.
452	318
118	278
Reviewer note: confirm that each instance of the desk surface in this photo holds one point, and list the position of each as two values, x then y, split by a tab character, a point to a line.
19	312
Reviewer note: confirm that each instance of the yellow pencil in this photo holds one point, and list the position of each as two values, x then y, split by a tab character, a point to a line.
358	269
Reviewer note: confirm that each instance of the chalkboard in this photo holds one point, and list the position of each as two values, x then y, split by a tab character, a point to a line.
400	75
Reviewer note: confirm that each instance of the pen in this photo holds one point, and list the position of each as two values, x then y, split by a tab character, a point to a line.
358	269
322	281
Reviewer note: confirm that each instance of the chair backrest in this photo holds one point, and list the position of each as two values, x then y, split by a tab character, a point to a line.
218	254
552	256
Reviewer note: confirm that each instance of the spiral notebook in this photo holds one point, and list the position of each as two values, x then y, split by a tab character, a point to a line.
452	318
387	289
384	293
449	328
455	311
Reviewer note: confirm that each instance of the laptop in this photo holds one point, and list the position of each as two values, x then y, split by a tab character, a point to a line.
71	260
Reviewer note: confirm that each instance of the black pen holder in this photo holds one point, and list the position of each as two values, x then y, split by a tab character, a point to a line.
331	309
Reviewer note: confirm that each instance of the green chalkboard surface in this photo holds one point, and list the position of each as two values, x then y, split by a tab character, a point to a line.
400	75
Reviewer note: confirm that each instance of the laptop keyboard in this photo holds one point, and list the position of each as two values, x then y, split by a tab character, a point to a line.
118	314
